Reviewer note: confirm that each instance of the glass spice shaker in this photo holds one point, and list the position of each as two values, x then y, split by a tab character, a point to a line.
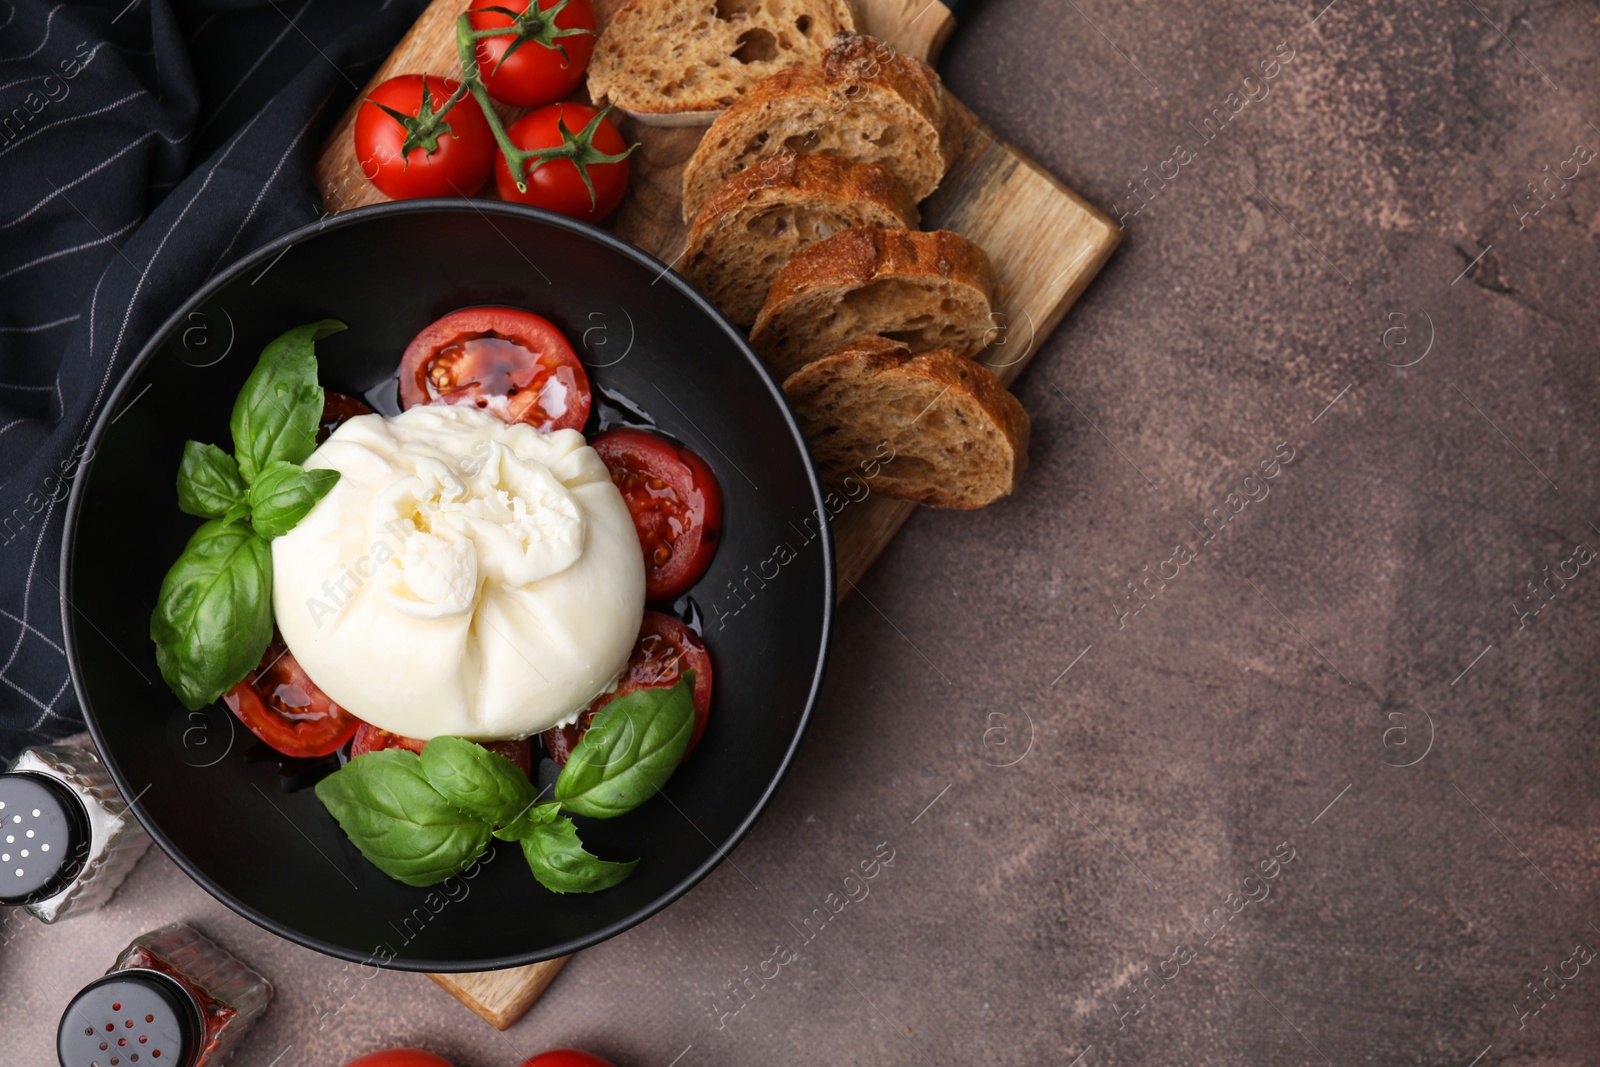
174	998
67	840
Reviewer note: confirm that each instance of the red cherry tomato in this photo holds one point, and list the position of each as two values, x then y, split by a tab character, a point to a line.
284	708
536	73
448	163
400	1057
665	649
567	1057
338	409
512	363
369	738
557	185
675	502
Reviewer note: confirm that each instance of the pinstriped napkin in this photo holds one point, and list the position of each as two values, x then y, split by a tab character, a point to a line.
144	145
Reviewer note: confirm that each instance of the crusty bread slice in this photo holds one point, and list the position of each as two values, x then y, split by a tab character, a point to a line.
682	62
764	215
936	428
929	290
864	102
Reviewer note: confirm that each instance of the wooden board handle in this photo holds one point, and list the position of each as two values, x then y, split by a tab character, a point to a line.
501	997
915	27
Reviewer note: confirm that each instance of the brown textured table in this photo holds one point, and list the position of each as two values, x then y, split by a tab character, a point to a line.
1072	789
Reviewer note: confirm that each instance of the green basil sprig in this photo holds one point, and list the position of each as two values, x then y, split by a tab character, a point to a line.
386	803
630	751
421	819
562	865
283	493
213	615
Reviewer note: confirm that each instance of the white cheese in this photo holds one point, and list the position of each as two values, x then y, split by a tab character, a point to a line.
463	577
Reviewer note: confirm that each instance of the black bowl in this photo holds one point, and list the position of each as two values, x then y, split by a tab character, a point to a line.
245	825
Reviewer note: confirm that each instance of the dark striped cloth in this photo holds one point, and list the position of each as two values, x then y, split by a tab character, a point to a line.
144	145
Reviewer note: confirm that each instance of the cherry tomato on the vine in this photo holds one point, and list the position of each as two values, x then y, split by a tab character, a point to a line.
543	63
283	707
408	150
588	141
512	363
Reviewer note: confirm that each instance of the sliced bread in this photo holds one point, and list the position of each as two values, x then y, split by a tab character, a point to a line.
764	215
936	428
682	62
927	290
864	102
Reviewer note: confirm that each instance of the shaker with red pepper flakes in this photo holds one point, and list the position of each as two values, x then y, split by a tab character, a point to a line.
173	998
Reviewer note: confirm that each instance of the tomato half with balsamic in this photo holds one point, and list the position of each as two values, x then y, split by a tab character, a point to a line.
282	706
370	738
665	649
338	409
511	363
675	502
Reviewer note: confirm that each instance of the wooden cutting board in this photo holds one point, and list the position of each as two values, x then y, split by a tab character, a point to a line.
1047	244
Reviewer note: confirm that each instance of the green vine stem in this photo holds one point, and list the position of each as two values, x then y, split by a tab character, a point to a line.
577	147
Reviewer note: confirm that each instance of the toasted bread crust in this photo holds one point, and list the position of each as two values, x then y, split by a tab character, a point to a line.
807	175
764	214
864	253
808	105
682	62
790	328
964	447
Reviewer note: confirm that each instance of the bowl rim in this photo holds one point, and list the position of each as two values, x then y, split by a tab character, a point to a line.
277	247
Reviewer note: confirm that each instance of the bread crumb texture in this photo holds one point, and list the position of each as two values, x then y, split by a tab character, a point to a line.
674	57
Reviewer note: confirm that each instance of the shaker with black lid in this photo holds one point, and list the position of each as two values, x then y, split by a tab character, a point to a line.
67	840
174	998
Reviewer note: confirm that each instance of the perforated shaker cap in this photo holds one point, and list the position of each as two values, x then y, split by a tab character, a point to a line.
43	834
131	1018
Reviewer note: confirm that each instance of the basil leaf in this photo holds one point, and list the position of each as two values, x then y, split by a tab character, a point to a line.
208	481
630	751
277	412
283	493
562	865
213	615
528	822
399	822
481	783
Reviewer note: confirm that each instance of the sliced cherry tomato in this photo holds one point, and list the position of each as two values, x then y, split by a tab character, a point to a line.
338	409
546	61
370	738
567	1057
284	707
675	502
557	185
431	155
400	1057
512	363
665	649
